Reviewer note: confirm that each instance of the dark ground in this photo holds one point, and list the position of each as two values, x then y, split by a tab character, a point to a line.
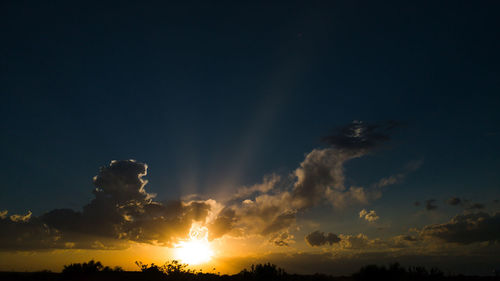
175	271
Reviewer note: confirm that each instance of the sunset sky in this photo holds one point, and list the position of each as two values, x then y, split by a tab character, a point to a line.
319	136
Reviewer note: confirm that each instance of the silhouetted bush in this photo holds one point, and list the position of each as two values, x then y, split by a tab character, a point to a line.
83	268
396	272
264	272
173	270
91	270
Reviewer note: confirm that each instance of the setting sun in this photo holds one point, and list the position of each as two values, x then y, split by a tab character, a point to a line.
197	249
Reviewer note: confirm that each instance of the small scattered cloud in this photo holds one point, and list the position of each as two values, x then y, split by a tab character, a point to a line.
21	218
318	238
467	204
370	216
475	206
454	201
430	205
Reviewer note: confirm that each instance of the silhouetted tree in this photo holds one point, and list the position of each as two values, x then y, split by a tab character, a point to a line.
263	272
83	268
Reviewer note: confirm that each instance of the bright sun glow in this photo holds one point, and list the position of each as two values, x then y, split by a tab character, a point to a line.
197	249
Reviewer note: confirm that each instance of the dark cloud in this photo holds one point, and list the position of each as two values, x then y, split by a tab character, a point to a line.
281	222
466	229
404	239
122	182
224	223
467	204
430	205
475	206
320	170
361	136
121	211
24	232
318	238
454	201
320	178
361	241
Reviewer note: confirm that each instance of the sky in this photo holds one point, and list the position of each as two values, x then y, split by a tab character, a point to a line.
320	136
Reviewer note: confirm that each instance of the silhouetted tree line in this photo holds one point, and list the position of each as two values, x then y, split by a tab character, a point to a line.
396	272
90	267
175	271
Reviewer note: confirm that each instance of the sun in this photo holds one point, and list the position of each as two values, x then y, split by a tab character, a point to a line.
197	249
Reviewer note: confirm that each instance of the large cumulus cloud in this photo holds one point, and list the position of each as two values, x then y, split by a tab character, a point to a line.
272	206
318	180
121	211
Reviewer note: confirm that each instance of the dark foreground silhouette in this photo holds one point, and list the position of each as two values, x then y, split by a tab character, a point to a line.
173	271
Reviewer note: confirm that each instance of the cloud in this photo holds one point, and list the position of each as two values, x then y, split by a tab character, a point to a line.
282	239
318	238
272	207
363	242
322	173
466	229
467	204
476	206
21	218
122	182
398	178
402	241
430	205
361	136
267	185
121	211
359	241
223	224
370	216
454	201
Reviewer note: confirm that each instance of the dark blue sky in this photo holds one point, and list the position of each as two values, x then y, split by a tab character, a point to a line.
216	94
